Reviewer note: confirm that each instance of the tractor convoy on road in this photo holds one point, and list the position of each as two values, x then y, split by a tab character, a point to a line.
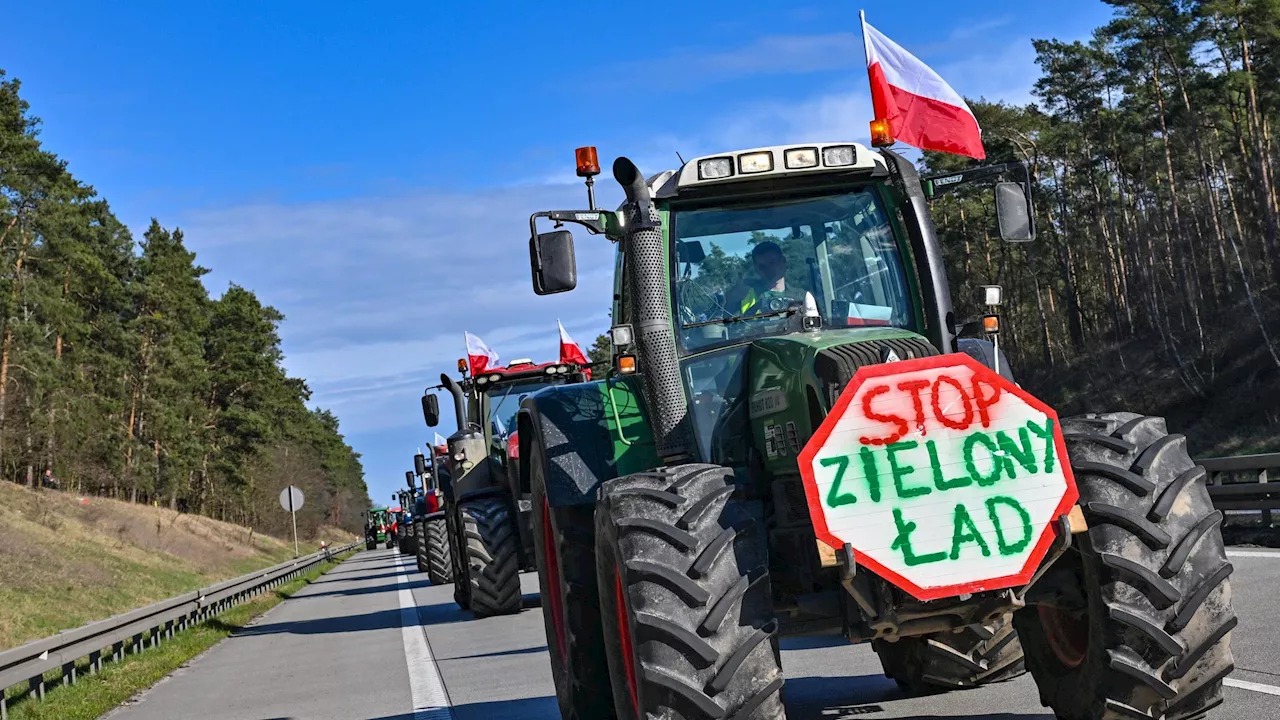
796	435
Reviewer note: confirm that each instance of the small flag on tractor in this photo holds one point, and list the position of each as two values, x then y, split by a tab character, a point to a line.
479	356
921	109
571	352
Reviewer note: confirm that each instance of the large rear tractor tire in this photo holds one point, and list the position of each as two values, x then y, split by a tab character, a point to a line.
420	545
435	544
953	660
370	544
493	556
683	579
1139	622
564	545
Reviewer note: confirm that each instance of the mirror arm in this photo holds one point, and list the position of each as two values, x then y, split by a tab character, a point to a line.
592	220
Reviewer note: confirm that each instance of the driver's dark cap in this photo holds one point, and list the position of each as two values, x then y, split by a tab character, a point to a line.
764	248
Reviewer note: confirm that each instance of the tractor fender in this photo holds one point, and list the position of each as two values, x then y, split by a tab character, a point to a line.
984	351
578	428
482	492
434	516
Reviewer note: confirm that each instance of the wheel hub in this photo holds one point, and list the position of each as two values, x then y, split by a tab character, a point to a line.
624	638
553	582
1067	634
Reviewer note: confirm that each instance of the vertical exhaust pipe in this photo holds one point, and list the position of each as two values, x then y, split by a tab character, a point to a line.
458	410
660	370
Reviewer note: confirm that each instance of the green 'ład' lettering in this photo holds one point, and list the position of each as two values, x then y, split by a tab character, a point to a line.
1006	547
903	542
835	498
964	531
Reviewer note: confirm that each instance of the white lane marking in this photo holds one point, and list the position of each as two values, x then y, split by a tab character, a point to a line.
1253	553
1256	687
430	701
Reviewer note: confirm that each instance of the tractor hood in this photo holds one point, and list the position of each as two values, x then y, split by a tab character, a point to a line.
793	381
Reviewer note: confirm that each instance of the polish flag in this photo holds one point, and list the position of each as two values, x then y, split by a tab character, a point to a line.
921	108
479	355
570	351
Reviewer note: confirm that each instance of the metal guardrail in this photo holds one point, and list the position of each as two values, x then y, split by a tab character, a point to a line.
138	629
1241	483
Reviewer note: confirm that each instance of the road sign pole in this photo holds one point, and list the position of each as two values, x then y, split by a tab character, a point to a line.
294	516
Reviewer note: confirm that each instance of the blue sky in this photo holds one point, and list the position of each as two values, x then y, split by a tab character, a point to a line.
369	168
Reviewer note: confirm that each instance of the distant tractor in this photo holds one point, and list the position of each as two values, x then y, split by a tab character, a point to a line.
488	508
375	527
431	528
794	441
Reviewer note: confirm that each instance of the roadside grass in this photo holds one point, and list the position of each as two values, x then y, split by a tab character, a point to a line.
66	560
94	695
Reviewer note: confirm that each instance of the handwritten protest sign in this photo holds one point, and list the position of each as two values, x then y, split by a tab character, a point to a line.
944	477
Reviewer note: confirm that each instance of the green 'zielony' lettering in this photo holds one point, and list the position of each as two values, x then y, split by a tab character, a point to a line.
1006	547
835	498
900	471
1045	433
964	531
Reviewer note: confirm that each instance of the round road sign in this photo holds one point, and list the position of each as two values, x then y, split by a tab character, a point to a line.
944	477
298	498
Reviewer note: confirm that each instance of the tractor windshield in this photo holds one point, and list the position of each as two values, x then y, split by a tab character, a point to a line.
744	269
504	403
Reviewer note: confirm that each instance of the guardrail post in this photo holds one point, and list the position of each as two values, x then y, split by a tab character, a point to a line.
4	706
95	662
117	651
1266	512
37	686
69	673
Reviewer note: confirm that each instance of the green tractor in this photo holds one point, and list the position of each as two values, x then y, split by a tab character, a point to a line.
488	512
375	527
435	551
683	509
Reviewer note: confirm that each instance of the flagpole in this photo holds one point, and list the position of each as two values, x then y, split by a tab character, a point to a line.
866	47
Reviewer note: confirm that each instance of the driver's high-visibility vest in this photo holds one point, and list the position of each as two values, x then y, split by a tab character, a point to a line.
748	301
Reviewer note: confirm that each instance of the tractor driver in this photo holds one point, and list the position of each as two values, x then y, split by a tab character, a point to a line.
749	297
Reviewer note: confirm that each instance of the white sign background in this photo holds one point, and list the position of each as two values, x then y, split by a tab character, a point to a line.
929	515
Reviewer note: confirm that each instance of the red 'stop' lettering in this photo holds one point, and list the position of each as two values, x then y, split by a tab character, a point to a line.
914	387
984	402
867	412
964	398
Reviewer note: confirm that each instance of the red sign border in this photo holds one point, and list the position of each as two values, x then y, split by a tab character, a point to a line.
819	437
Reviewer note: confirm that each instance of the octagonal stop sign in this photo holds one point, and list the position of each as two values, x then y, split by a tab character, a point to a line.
943	476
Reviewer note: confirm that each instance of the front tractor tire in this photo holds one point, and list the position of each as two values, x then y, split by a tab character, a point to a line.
370	544
977	655
435	545
564	549
493	556
1136	619
420	545
687	615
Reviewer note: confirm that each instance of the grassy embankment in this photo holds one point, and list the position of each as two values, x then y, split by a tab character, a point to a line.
94	695
66	560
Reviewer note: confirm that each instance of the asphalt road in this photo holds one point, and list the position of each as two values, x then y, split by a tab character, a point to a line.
373	640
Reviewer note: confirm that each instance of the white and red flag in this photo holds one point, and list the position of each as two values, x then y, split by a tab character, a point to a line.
479	356
570	351
921	108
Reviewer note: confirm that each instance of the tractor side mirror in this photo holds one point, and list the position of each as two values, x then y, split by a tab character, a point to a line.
420	464
1013	213
430	410
408	478
551	259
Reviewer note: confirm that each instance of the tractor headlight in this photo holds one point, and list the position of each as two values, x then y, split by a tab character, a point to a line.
838	155
800	158
756	162
715	168
551	370
482	380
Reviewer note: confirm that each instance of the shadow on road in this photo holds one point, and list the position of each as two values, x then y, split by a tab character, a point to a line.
520	651
521	709
853	698
385	587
